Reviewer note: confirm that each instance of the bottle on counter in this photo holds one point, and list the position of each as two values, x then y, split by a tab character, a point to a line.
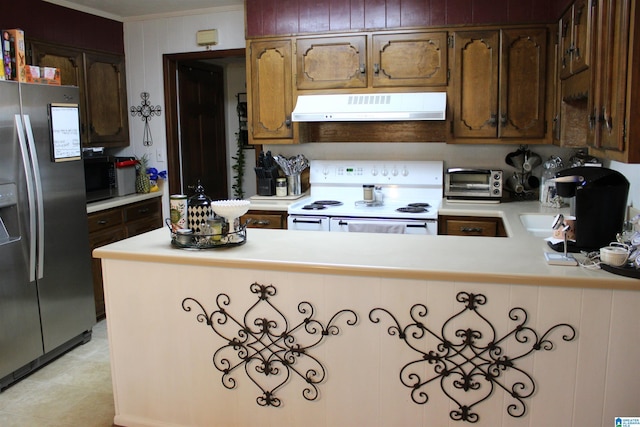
281	187
198	209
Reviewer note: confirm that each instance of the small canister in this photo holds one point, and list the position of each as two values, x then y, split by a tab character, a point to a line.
178	211
281	187
184	236
367	193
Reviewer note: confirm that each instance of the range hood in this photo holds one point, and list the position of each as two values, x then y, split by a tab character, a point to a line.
370	107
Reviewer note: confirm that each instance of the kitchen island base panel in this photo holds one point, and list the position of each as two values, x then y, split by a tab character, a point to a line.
162	356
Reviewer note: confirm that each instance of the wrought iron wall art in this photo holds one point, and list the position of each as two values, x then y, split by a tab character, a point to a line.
469	362
266	346
146	111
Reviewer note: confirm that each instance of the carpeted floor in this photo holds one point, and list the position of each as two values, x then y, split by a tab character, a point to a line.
72	391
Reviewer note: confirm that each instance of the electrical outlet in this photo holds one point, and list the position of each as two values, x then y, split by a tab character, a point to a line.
159	155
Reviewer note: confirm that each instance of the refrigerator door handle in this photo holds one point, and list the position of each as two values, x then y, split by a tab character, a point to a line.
39	196
31	197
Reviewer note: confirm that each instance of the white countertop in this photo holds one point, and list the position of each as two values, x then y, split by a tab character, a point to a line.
274	203
120	201
517	259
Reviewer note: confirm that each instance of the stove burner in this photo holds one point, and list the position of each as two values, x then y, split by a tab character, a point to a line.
327	202
412	209
419	205
314	207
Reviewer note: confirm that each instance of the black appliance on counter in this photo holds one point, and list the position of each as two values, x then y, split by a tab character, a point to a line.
598	200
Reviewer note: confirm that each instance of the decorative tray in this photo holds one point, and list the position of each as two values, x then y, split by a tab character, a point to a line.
622	271
210	241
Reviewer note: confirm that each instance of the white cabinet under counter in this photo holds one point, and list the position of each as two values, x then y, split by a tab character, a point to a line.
360	329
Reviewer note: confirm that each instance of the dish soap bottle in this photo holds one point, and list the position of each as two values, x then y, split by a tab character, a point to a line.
198	209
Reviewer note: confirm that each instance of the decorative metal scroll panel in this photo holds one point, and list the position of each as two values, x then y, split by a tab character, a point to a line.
266	346
469	363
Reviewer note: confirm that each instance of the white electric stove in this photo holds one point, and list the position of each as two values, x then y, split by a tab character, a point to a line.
406	197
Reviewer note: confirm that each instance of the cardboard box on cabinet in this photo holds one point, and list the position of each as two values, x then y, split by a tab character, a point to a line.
42	75
6	47
13	50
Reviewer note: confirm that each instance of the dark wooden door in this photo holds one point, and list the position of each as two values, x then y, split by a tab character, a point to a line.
202	142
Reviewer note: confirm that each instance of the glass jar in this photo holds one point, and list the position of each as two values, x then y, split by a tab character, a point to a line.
281	187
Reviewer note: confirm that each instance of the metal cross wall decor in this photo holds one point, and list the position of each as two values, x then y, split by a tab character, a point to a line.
266	345
145	110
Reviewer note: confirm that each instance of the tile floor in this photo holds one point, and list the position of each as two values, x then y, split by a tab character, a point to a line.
72	391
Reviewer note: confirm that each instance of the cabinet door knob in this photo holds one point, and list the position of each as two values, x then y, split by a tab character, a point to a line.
493	120
376	69
362	69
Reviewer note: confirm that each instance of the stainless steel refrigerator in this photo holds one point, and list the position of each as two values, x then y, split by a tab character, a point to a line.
46	291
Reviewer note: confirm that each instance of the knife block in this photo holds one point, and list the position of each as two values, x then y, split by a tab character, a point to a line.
266	186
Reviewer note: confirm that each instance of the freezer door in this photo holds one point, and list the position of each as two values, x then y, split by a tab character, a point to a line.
20	337
67	306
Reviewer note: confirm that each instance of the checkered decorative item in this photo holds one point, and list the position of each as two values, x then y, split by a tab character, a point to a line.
196	215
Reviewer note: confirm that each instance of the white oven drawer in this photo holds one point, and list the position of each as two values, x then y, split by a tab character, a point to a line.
308	223
380	225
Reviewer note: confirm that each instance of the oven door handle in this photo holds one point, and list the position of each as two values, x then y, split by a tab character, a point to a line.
413	225
408	225
307	221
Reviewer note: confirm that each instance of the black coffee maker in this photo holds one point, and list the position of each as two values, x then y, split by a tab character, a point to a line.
598	200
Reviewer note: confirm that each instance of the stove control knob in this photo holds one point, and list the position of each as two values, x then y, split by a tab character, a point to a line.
374	171
405	171
394	171
385	172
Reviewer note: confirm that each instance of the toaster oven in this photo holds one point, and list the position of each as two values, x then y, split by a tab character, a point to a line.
465	184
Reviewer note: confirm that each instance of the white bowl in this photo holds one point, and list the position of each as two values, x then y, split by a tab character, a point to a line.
614	255
230	208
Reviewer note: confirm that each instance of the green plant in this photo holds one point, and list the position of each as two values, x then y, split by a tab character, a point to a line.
238	169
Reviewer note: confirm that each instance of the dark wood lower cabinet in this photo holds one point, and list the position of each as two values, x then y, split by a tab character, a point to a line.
265	219
471	226
112	225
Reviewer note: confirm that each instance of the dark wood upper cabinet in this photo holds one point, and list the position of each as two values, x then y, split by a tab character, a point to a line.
574	39
611	111
411	59
106	98
499	87
331	62
270	87
389	59
103	94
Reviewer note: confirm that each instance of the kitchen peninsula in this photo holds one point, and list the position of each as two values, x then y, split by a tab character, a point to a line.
194	333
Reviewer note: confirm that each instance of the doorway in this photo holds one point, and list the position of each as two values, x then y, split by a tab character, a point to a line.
195	122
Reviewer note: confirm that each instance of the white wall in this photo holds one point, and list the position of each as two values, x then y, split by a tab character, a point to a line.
146	40
632	172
